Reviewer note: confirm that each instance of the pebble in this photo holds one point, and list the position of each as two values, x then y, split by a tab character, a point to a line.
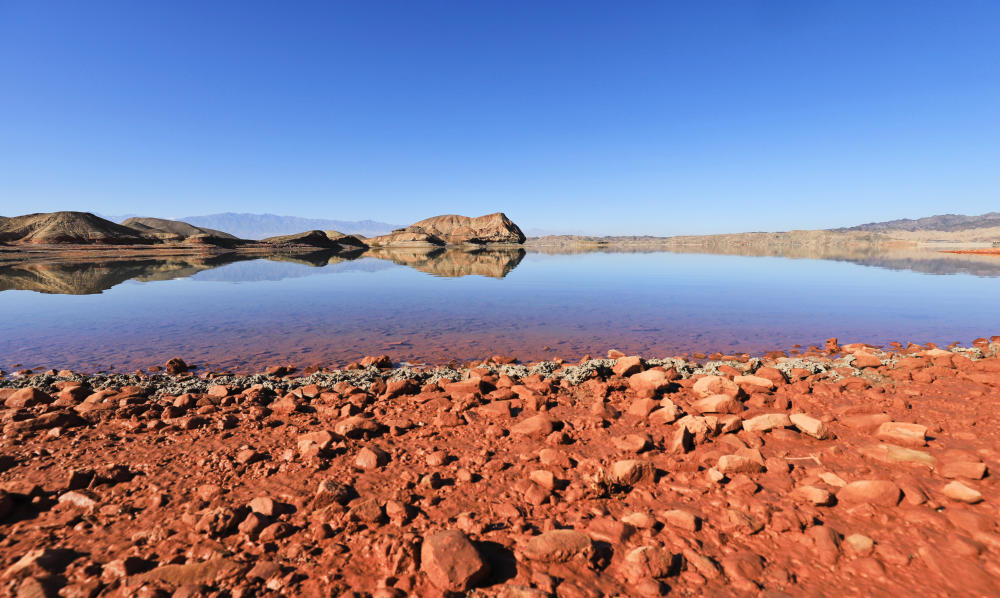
452	563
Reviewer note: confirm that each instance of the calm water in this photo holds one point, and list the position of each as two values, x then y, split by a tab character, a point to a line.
418	307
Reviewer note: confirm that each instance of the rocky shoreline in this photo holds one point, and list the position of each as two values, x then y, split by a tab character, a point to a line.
851	467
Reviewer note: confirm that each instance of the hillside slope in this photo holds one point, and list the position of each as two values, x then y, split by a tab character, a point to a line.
68	227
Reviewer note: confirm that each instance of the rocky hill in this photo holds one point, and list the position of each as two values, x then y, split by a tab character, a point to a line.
452	229
173	229
68	227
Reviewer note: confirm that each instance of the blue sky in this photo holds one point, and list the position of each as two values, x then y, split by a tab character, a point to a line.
607	118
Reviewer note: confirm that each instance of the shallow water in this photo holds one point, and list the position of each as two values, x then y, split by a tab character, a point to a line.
417	307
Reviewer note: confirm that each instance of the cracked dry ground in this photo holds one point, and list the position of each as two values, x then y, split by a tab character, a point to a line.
857	482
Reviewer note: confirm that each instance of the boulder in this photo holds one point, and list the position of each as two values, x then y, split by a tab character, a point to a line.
451	561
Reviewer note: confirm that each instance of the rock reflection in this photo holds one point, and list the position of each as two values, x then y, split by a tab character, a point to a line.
493	262
71	275
74	275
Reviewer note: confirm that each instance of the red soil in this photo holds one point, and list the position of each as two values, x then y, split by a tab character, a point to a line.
870	481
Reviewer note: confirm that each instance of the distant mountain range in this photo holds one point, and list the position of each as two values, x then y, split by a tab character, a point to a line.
260	226
942	222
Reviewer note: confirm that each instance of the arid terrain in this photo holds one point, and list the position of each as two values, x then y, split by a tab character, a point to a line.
845	471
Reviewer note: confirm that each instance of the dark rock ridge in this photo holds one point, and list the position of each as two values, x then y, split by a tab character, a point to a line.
318	238
453	229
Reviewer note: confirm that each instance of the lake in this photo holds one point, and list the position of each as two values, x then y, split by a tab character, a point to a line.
433	307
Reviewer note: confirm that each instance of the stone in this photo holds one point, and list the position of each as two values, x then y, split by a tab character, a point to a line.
810	426
176	365
958	491
903	433
537	426
356	427
81	499
264	505
863	359
451	562
877	492
630	472
204	572
751	383
717	404
971	470
859	544
730	464
632	443
371	458
558	546
651	382
707	386
681	519
647	562
626	366
814	496
314	443
454	229
767	422
27	397
331	491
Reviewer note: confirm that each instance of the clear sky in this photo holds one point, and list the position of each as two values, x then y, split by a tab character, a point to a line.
609	118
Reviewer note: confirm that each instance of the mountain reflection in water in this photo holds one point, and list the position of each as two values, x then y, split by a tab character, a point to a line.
75	276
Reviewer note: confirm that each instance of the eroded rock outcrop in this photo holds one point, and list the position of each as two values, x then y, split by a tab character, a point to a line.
453	229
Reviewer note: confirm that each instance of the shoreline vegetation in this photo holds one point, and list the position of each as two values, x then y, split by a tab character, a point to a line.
842	467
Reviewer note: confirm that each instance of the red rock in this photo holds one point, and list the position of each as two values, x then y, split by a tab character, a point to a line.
707	386
371	458
630	472
651	382
814	496
536	425
356	427
558	546
647	561
903	433
876	492
27	397
751	383
730	464
810	425
717	404
767	422
626	366
971	470
175	366
379	361
681	519
452	563
960	492
863	359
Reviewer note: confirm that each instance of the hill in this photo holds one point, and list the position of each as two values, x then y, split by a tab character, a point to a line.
261	226
68	227
173	228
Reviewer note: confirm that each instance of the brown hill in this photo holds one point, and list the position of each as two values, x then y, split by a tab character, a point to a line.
453	229
173	229
318	238
68	227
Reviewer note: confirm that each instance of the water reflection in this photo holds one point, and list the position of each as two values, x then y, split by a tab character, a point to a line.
81	276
